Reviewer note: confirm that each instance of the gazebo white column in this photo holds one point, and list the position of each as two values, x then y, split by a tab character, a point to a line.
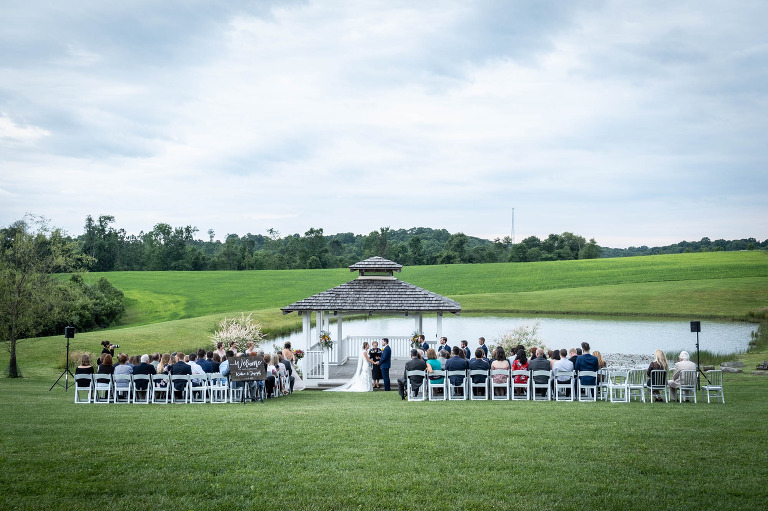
419	320
439	332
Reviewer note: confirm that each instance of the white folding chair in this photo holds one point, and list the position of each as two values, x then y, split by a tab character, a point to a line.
714	384
147	389
416	393
636	383
161	388
478	386
236	389
436	391
121	388
102	388
217	388
83	384
184	388
586	392
503	393
618	388
456	392
658	383
563	388
521	391
546	387
198	388
602	383
687	386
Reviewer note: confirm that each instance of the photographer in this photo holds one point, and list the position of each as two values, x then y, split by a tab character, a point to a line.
109	349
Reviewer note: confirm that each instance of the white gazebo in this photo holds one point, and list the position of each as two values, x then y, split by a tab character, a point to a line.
375	290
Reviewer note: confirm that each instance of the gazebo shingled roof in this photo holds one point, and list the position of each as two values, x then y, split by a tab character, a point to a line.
375	294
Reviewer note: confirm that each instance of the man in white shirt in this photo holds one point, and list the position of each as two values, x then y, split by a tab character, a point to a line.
564	364
684	364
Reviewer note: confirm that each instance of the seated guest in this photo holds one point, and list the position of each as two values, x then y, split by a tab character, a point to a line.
586	362
288	368
534	350
520	364
600	362
433	364
85	367
155	361
164	366
272	374
540	363
105	367
196	370
414	364
122	368
479	364
684	364
215	361
456	363
572	356
204	363
659	364
180	368
144	367
500	362
554	356
563	364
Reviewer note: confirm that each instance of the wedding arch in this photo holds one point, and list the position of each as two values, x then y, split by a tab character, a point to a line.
375	291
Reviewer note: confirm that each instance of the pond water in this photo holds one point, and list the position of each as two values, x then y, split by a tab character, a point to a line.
606	334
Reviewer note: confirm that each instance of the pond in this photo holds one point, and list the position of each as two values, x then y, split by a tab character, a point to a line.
606	334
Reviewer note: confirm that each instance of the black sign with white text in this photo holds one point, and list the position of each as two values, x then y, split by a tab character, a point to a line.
247	368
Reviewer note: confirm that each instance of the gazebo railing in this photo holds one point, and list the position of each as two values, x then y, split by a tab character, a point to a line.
400	345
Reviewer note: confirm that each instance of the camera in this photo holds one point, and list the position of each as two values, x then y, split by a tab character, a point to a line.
115	345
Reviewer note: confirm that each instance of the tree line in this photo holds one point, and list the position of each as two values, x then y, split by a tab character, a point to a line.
176	248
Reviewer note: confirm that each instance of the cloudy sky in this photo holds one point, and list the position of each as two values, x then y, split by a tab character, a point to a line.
636	123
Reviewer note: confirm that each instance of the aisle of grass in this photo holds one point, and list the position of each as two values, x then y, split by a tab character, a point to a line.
318	450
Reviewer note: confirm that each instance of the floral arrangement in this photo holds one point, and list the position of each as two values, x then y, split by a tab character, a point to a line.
415	342
240	330
325	340
525	335
299	354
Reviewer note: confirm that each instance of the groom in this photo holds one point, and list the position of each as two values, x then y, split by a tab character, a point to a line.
385	362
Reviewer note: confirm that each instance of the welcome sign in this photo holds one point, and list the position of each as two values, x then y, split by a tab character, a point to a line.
247	368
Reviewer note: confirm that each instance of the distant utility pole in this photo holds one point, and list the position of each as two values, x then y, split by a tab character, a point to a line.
513	226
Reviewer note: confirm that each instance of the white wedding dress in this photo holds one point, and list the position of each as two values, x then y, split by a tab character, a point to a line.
361	381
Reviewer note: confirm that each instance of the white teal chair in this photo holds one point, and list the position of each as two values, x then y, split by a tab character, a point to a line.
687	388
83	385
546	387
161	388
563	390
436	391
478	386
147	392
658	383
587	392
636	383
503	393
457	392
416	393
714	385
618	387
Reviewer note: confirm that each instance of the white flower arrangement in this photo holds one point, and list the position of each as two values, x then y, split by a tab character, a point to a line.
240	330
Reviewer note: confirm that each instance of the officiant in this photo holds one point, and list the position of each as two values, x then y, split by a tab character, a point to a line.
375	354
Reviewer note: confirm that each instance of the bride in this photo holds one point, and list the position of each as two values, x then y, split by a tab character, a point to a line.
361	381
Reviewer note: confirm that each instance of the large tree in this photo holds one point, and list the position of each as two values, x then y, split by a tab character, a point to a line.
30	253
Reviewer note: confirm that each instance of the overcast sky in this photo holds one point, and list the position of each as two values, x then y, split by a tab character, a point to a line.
634	123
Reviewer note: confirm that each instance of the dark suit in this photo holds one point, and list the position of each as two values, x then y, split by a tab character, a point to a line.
205	365
587	362
414	364
467	353
444	347
384	364
478	364
180	368
540	364
456	363
425	346
143	368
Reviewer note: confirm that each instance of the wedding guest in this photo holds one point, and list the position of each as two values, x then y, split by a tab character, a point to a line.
659	363
203	362
684	364
180	368
155	360
554	356
272	374
563	364
433	364
520	364
282	371
414	364
481	342
215	361
442	356
85	367
600	362
587	362
220	350
572	356
540	363
163	367
534	350
287	369
375	355
123	368
467	353
500	362
144	367
479	364
424	343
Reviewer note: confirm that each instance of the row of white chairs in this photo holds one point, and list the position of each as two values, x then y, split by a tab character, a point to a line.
617	385
160	389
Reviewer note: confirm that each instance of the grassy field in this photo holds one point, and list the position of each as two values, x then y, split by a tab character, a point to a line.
318	450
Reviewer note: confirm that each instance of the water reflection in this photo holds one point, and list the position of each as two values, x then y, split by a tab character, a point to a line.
607	334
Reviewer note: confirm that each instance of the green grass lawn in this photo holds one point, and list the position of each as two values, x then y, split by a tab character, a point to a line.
318	450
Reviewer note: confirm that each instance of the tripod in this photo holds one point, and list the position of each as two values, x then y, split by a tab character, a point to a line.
69	332
698	366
